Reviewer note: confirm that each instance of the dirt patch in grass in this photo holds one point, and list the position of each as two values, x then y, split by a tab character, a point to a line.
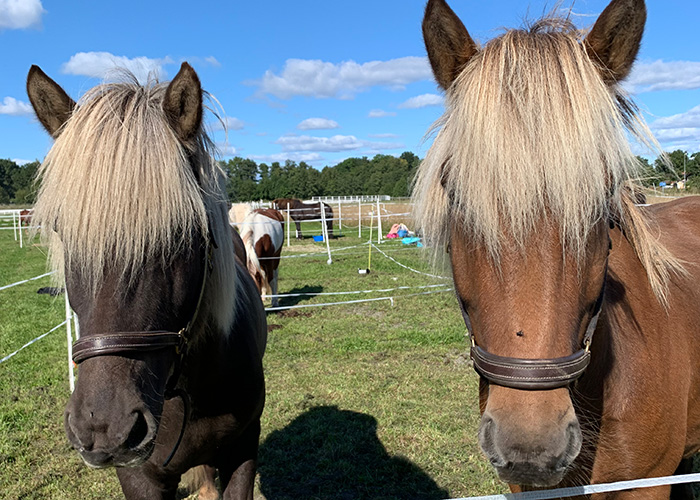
294	313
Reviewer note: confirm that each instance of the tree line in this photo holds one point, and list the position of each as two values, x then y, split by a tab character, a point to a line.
380	175
383	175
678	166
17	182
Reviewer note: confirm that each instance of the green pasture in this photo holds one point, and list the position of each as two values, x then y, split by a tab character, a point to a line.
364	400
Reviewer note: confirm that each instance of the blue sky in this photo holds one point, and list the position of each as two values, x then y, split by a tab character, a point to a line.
305	79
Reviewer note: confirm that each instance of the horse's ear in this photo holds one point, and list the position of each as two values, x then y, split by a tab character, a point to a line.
182	103
447	41
51	104
614	41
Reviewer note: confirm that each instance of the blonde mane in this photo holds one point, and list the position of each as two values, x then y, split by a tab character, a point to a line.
118	189
532	131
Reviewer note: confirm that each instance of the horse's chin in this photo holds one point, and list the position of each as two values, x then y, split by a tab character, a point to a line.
130	458
531	476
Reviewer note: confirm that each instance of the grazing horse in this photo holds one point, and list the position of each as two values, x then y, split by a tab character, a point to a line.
172	328
263	235
582	308
300	211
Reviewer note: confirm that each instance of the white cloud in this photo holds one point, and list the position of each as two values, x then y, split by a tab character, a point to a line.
19	14
21	162
661	75
380	113
690	118
226	150
320	79
11	106
309	143
334	144
680	131
213	61
103	64
422	101
282	157
384	136
229	122
318	124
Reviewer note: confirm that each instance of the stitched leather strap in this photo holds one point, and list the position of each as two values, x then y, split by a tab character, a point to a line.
120	342
535	374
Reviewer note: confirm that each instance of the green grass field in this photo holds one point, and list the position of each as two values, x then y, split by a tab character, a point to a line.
364	400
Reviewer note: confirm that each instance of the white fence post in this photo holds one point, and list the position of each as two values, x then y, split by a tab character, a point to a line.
69	338
379	222
14	223
359	218
324	230
340	217
289	224
21	244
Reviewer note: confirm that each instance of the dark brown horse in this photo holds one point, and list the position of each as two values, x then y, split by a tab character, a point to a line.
300	211
582	308
172	328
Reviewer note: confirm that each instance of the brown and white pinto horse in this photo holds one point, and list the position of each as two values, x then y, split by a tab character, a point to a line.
300	212
173	331
582	308
262	232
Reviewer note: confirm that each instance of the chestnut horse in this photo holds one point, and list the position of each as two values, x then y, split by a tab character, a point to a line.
582	308
262	232
172	328
300	211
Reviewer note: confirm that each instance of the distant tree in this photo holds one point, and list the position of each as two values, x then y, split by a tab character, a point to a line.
7	189
17	182
23	182
242	179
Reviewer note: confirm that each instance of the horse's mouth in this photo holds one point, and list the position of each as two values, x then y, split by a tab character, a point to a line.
119	458
530	474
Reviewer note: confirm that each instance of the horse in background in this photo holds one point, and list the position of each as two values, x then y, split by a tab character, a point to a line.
237	213
582	308
300	211
25	217
166	311
262	232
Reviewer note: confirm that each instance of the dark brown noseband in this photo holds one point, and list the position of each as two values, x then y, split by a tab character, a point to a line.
534	374
121	343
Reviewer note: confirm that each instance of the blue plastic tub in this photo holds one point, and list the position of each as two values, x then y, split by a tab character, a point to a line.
318	238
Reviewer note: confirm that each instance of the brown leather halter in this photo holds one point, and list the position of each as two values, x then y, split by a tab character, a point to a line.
121	343
534	374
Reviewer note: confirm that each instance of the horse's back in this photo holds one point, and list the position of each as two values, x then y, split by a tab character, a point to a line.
238	212
678	223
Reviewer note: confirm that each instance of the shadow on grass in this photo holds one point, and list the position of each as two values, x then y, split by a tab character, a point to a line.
292	301
327	453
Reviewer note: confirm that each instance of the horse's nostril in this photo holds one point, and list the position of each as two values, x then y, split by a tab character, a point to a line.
138	432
